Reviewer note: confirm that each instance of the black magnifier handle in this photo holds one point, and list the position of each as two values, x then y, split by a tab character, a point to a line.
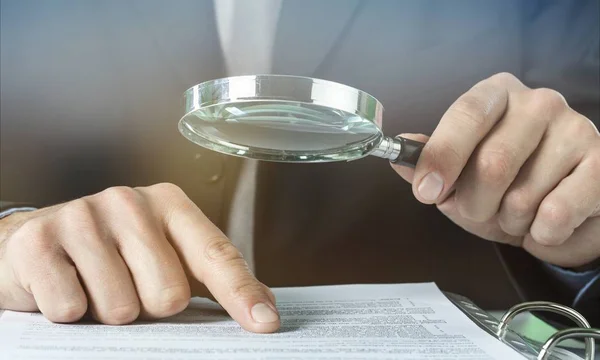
399	150
410	150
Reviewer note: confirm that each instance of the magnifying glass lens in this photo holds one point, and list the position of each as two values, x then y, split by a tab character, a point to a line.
281	130
290	119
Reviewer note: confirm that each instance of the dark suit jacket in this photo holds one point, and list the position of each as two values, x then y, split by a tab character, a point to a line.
91	97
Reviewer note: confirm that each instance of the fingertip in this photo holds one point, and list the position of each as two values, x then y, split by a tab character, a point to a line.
547	238
264	328
253	308
65	313
429	188
261	317
546	233
427	182
264	313
405	172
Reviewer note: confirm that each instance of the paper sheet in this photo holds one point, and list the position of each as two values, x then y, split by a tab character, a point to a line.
408	321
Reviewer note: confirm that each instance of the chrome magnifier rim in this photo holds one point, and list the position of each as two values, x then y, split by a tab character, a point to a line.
290	89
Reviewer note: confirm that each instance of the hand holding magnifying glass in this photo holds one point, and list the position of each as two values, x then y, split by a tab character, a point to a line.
502	162
290	119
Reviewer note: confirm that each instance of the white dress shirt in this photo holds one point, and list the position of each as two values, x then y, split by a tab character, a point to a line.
246	31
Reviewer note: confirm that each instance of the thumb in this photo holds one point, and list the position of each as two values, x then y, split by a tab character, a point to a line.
405	172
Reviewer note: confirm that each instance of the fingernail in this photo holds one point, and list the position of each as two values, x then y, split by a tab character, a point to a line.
431	186
263	313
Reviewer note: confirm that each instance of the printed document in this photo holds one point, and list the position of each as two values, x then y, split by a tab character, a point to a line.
399	321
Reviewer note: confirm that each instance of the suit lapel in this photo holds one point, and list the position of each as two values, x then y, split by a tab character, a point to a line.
320	23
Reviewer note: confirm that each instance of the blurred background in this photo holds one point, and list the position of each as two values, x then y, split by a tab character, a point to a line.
91	96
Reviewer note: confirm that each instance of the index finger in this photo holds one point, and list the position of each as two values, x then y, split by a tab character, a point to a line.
466	122
213	260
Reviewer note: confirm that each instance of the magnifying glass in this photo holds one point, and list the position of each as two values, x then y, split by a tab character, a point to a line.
290	119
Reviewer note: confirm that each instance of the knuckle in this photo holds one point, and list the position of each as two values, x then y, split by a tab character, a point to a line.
172	198
167	190
547	236
75	208
219	250
504	78
36	238
493	167
78	216
248	289
443	154
473	111
129	203
78	211
120	195
581	128
67	313
172	300
518	203
556	214
122	314
547	100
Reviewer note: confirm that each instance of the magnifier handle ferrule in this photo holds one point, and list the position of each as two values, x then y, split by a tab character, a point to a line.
399	150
